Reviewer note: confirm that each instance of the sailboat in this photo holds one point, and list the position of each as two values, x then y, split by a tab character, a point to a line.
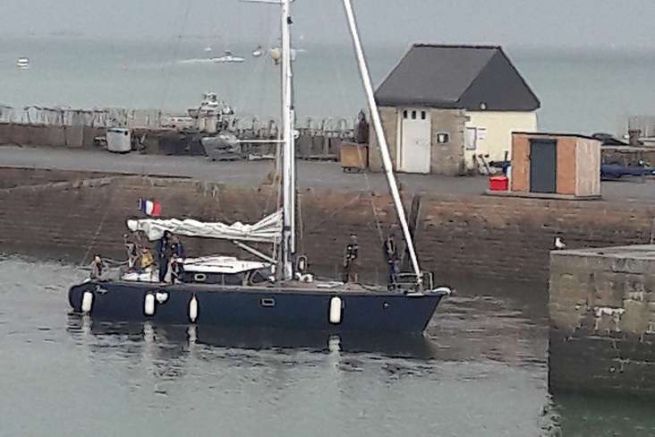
275	292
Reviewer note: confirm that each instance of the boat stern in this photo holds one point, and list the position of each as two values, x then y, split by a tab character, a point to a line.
78	293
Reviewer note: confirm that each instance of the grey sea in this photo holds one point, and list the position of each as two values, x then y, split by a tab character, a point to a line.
582	91
481	370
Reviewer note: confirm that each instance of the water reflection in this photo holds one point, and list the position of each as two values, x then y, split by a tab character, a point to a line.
172	342
578	415
480	370
164	348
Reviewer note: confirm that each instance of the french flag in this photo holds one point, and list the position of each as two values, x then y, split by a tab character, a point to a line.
150	207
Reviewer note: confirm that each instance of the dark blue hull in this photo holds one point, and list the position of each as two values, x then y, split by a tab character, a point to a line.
266	307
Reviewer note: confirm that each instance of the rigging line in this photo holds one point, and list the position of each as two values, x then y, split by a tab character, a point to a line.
258	71
334	58
384	149
176	49
98	229
301	225
336	211
266	62
332	50
371	197
277	161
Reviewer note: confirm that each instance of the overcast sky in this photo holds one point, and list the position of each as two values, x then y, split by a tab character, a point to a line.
553	23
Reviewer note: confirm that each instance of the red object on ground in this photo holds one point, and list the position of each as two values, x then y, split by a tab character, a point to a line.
498	183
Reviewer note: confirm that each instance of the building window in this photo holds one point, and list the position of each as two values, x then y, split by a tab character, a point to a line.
413	115
422	115
442	138
471	138
405	114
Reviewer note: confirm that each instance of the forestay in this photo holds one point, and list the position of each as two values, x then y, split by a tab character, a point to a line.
268	230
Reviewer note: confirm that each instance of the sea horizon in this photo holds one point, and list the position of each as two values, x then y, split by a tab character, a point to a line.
582	90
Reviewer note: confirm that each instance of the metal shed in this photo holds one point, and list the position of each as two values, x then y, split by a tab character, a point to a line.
557	165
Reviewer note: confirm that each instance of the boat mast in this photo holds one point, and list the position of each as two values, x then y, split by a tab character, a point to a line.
379	132
288	151
288	170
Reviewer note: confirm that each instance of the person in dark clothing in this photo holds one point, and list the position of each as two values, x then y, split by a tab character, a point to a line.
177	250
164	254
177	247
350	260
361	129
390	252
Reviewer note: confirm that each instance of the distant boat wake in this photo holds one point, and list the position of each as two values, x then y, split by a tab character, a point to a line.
195	61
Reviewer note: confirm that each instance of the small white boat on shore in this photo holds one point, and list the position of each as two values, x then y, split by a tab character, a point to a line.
228	58
23	63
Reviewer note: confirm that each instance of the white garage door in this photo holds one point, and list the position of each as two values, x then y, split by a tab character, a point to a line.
415	141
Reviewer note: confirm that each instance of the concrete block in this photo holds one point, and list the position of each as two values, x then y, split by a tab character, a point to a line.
567	320
607	319
635	320
629	265
607	290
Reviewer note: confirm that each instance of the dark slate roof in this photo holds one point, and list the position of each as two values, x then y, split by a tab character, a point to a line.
464	77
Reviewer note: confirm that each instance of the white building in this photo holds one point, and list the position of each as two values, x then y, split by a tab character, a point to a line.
443	106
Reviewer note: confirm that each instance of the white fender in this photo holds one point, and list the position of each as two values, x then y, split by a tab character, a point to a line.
443	290
149	304
87	302
335	310
161	297
193	309
334	343
192	334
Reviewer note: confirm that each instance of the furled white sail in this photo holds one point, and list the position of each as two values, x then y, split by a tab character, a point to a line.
268	230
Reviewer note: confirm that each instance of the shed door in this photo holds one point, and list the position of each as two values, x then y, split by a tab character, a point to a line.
543	166
415	141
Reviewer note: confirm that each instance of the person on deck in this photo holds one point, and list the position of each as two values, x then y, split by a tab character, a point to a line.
98	268
164	254
146	260
177	247
178	254
350	260
390	252
132	252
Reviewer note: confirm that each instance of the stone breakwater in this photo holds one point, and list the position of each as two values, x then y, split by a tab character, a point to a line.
74	214
602	312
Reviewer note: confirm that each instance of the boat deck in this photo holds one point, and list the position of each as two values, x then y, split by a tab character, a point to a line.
295	286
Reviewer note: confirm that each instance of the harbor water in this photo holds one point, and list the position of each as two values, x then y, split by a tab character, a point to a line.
581	91
480	370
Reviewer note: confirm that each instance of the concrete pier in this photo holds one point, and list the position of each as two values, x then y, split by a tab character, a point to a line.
602	316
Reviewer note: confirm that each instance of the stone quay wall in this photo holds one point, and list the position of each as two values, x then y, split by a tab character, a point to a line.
49	135
602	310
313	143
457	236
